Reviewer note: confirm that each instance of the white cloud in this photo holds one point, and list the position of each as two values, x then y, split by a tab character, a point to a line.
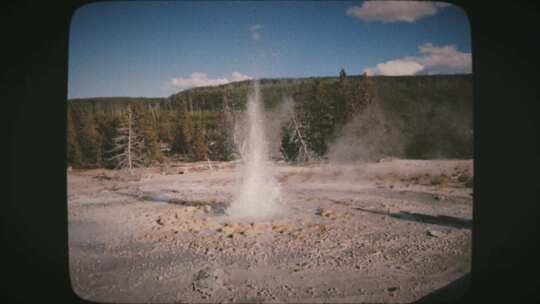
237	76
199	79
255	31
444	59
399	67
395	11
434	60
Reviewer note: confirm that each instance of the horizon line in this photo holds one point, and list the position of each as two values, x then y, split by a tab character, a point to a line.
272	78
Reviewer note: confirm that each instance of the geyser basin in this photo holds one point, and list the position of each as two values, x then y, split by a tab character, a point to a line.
370	227
331	192
259	195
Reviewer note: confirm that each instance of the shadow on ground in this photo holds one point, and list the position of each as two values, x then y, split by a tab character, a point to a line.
443	220
455	292
419	196
216	207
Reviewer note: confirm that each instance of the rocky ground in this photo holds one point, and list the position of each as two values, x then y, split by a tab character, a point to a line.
391	231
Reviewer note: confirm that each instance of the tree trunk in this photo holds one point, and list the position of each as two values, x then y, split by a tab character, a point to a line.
129	142
306	153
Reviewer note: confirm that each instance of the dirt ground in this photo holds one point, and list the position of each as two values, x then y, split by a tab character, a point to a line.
391	231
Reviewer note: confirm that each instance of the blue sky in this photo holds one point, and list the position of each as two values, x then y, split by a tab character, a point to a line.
157	48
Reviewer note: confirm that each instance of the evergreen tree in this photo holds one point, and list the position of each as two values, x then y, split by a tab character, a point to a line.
74	157
183	134
108	126
221	138
342	75
165	127
367	90
147	126
316	116
323	107
199	146
90	140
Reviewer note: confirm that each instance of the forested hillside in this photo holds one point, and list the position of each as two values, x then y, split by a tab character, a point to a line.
406	116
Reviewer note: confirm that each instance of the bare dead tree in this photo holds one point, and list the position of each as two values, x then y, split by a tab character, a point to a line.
303	152
294	147
155	114
128	144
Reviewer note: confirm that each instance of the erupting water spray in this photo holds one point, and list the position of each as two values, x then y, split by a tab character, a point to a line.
259	193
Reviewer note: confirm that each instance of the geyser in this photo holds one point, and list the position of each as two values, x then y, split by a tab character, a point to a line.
259	193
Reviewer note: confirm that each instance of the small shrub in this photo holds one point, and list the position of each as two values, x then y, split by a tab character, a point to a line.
437	180
470	182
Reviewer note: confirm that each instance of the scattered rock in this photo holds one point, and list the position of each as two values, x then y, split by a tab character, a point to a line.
439	197
331	291
437	180
264	292
324	212
206	281
463	177
469	183
435	233
207	209
288	289
102	177
264	245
